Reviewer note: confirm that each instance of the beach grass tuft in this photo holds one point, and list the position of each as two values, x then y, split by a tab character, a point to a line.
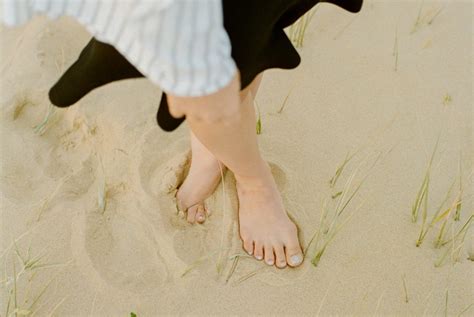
298	29
455	243
426	19
328	230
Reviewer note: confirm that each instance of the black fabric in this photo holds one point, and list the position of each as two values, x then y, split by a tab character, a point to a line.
255	29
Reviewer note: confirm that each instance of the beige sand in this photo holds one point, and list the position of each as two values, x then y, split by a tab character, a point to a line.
130	254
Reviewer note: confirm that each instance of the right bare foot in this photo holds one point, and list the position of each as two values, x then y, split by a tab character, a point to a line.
265	228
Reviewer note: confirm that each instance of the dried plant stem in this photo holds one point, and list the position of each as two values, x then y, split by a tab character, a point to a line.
405	288
424	187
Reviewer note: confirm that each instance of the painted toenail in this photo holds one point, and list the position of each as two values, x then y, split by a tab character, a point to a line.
296	259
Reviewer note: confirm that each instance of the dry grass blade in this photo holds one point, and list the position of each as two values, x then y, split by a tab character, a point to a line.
249	275
298	29
436	217
378	303
219	264
317	233
284	101
435	15
447	99
344	28
198	262
322	301
440	236
41	128
462	232
259	120
340	169
457	215
232	268
15	294
317	258
465	309
405	288
336	195
8	303
446	305
339	212
395	50
102	192
424	215
417	23
424	186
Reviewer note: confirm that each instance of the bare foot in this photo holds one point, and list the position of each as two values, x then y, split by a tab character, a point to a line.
203	177
265	228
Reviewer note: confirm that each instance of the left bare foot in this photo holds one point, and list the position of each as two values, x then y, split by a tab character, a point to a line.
203	177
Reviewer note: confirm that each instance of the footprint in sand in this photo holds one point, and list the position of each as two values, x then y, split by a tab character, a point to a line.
118	247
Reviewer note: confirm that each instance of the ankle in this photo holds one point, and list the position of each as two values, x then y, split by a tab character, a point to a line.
260	177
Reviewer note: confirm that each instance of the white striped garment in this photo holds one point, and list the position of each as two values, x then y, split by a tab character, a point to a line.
180	45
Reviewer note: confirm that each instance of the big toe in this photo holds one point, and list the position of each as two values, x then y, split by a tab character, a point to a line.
294	255
191	216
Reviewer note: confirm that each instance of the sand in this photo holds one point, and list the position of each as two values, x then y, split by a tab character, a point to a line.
65	251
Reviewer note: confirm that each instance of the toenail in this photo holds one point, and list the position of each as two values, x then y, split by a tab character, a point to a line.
249	252
281	265
270	262
201	217
259	257
296	259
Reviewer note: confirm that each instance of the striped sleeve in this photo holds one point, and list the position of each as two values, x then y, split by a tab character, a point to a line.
180	45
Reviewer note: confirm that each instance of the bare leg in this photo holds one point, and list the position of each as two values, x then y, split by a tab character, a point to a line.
204	174
265	228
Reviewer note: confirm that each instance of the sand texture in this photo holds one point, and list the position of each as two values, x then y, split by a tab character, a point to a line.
88	222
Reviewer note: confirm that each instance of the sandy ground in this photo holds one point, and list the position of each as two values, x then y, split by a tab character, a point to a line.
367	86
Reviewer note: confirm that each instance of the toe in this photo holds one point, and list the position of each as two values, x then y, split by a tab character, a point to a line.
280	256
294	255
258	251
191	217
248	246
269	256
200	214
